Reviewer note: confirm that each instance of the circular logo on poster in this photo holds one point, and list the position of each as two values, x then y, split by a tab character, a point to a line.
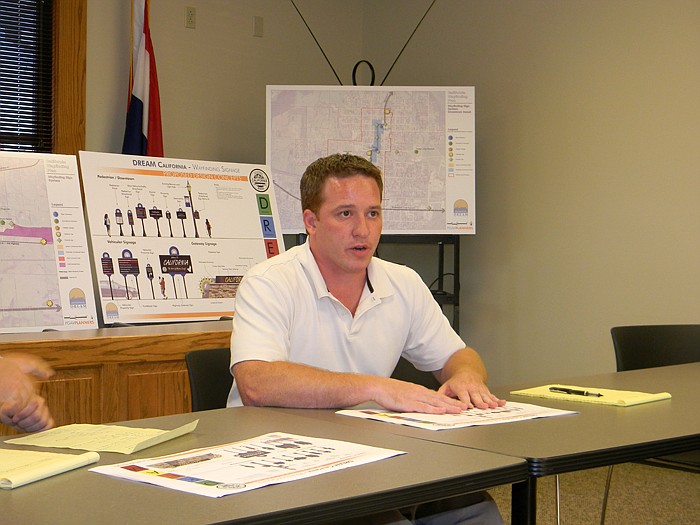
230	486
259	180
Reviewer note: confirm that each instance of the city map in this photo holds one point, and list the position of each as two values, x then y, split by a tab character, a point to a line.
422	138
45	278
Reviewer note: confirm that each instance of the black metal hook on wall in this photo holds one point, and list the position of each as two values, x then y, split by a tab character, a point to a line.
354	72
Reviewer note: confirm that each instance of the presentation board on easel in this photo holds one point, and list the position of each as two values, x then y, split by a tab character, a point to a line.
172	238
422	138
45	280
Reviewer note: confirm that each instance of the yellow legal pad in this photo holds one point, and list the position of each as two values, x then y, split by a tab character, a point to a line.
621	398
19	467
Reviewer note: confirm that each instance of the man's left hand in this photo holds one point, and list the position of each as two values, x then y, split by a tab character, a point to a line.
464	377
471	390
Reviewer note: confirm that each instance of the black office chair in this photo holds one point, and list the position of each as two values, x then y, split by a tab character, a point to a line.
210	377
648	346
405	371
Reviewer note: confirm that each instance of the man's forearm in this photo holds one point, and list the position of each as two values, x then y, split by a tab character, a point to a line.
286	384
465	360
281	383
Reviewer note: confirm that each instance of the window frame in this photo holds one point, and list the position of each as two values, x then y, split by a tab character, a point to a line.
69	75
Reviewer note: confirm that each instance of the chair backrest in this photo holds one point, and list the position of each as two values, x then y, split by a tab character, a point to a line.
210	377
647	346
405	371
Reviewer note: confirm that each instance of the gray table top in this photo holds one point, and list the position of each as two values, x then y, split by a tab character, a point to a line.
426	472
598	435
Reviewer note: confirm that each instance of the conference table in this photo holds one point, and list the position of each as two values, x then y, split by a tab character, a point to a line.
427	471
598	435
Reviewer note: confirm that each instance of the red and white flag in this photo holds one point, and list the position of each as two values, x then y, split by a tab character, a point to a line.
143	134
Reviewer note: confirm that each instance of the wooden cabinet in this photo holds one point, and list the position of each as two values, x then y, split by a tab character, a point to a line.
115	374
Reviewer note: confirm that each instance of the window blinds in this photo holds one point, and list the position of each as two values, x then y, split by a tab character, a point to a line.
26	57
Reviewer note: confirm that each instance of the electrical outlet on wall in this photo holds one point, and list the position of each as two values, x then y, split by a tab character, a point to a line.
258	26
190	17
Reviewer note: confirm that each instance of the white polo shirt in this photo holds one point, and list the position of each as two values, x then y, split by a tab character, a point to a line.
284	312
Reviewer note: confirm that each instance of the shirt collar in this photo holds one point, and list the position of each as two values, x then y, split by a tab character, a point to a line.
308	264
376	275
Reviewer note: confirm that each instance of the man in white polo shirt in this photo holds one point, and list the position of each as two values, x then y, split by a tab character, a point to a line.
324	324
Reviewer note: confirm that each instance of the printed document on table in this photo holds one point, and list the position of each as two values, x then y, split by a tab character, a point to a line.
474	416
245	465
103	438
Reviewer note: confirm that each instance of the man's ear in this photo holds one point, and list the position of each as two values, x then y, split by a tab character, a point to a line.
310	220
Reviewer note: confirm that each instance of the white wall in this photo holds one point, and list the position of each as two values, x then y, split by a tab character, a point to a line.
587	142
212	78
588	170
107	82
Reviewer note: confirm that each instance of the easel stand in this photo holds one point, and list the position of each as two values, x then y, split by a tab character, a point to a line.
442	296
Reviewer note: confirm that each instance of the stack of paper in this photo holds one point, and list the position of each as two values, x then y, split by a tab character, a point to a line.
19	467
103	438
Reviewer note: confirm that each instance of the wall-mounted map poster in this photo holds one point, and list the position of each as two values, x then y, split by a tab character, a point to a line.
422	138
45	278
171	238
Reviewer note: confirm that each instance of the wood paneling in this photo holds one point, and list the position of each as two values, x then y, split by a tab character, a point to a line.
115	374
154	389
74	396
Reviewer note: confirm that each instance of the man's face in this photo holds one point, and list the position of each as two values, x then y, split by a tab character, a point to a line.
345	232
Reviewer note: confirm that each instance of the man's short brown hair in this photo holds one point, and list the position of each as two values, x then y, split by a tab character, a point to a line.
340	165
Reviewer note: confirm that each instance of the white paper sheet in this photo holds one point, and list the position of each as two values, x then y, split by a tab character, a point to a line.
245	465
509	413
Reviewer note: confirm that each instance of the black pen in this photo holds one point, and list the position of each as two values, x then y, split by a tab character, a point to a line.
572	391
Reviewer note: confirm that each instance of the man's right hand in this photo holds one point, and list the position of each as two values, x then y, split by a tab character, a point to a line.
32	417
20	406
30	364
